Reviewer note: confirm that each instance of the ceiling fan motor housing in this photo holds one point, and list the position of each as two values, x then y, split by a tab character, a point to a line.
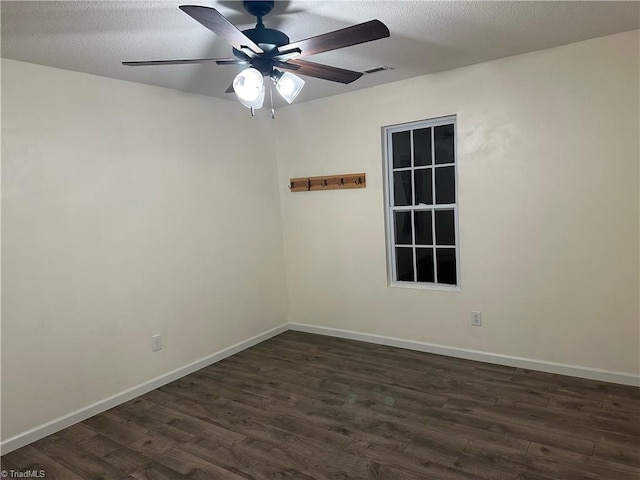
268	39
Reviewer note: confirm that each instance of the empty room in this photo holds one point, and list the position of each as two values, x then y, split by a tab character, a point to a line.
320	240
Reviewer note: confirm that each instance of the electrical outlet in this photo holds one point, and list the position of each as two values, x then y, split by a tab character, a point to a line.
476	319
156	342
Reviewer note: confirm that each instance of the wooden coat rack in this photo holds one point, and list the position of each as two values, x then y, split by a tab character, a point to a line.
328	182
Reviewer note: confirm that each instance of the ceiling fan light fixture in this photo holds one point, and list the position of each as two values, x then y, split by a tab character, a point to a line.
249	88
264	48
288	85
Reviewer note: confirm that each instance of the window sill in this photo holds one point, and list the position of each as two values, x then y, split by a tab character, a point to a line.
426	286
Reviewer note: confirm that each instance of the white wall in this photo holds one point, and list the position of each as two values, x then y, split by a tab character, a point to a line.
548	196
127	210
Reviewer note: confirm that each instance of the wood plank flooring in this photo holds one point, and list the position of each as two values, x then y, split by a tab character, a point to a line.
302	406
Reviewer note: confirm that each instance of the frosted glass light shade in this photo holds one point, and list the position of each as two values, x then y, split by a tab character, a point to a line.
249	88
289	86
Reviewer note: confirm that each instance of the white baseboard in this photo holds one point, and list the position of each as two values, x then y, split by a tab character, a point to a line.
81	414
487	357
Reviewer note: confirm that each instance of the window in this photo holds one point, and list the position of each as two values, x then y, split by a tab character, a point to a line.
421	203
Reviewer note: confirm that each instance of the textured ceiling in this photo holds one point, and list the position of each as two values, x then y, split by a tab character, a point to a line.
426	37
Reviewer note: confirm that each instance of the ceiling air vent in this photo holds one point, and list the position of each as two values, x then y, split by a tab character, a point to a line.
376	69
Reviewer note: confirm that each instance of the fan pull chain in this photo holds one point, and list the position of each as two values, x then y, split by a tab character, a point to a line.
273	111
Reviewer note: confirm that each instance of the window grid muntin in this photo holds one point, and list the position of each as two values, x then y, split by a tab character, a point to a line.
413	202
433	203
390	206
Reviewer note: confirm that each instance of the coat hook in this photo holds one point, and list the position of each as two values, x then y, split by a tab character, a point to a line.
308	184
292	185
341	182
324	183
359	181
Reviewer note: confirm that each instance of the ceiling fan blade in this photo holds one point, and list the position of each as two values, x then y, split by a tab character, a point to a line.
361	33
326	72
219	61
231	61
218	24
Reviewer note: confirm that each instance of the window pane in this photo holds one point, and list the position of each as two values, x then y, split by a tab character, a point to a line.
424	187
422	146
424	234
403	228
401	144
404	264
446	261
424	263
422	212
445	230
402	188
443	138
445	185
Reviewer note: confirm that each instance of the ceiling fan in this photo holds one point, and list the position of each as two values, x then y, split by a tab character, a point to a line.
268	51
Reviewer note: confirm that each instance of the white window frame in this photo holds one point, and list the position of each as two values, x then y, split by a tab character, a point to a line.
389	208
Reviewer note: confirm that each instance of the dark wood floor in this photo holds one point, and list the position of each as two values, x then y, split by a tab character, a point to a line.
302	406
